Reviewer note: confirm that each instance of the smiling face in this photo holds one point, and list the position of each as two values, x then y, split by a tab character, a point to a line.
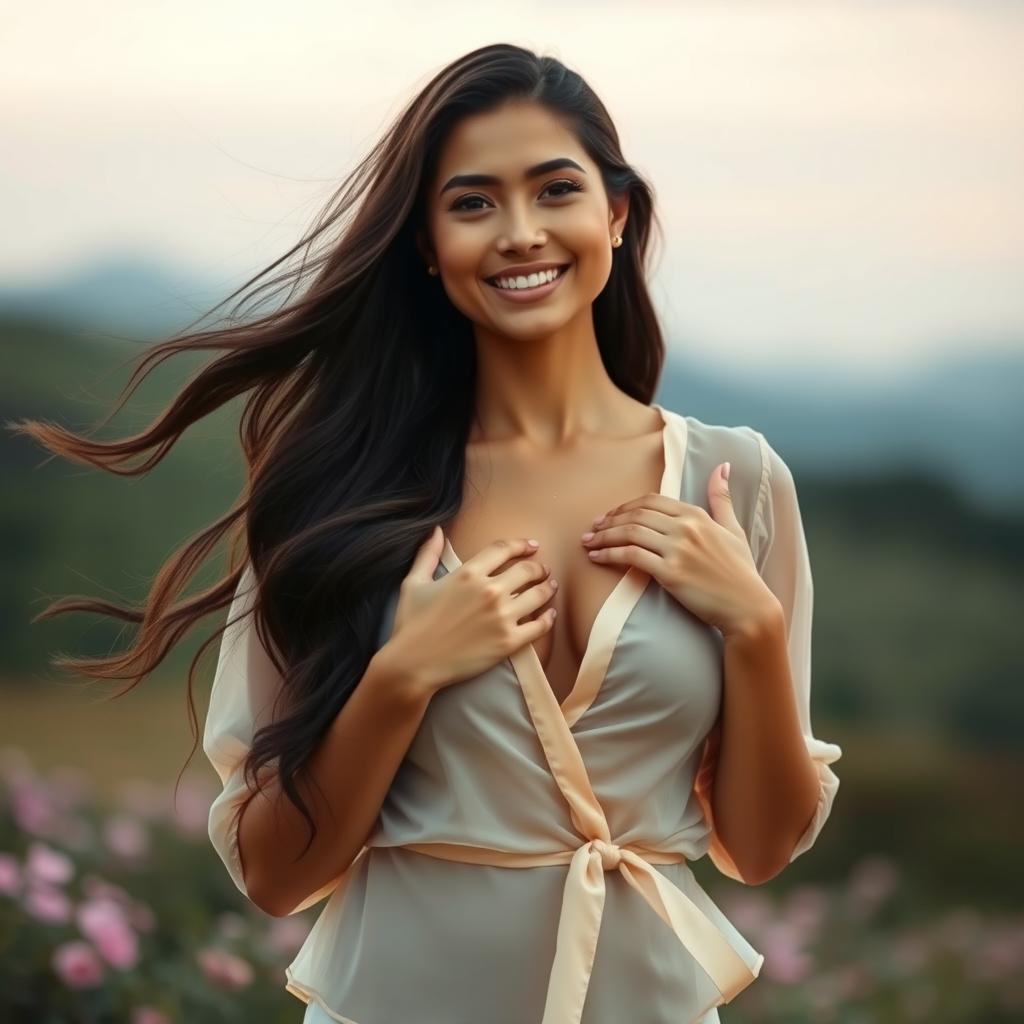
515	192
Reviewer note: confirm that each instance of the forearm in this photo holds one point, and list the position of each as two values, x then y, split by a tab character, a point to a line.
766	785
344	784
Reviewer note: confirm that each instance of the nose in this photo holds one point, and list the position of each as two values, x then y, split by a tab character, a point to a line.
522	234
611	855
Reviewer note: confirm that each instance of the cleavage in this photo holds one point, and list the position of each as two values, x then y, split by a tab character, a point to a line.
555	502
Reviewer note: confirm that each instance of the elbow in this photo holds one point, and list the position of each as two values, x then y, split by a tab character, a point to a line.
760	869
755	874
268	901
769	867
763	874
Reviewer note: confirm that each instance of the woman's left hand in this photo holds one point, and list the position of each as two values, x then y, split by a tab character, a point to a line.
704	561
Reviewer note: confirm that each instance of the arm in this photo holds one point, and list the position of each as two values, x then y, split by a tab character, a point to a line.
766	786
765	777
344	784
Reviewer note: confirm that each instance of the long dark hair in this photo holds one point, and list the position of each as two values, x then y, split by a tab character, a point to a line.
360	398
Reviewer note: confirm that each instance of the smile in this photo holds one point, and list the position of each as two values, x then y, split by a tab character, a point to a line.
531	288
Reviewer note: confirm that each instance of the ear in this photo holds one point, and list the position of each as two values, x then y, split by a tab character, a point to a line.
618	213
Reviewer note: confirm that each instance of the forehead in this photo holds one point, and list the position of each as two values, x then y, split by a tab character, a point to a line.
506	140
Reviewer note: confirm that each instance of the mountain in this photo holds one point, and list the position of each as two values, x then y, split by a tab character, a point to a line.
957	418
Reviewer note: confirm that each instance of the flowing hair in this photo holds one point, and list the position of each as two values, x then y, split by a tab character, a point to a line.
360	393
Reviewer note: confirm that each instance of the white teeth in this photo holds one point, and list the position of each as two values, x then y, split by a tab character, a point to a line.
531	281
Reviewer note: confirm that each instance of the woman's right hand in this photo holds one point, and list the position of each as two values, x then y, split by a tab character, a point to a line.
454	628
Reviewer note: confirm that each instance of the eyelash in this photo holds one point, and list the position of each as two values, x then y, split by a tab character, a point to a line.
573	186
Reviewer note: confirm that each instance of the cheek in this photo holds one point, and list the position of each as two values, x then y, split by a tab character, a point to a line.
461	254
593	262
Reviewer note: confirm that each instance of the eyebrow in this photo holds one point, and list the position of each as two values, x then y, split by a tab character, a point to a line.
463	180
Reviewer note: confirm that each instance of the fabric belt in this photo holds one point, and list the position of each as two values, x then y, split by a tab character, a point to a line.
730	964
582	907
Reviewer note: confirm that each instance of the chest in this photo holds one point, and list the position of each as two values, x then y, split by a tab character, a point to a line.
555	500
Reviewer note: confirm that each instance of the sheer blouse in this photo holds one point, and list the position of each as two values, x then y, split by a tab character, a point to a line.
531	861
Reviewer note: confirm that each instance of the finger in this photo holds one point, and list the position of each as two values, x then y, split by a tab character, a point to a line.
651	518
533	598
534	629
629	533
428	554
658	502
497	553
524	573
628	554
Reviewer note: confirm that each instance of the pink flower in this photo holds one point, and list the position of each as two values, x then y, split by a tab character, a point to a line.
32	807
224	968
286	934
48	904
103	921
749	910
805	908
192	809
149	1015
47	865
784	959
126	837
10	875
998	954
77	964
99	888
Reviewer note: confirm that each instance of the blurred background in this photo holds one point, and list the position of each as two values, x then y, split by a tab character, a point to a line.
840	186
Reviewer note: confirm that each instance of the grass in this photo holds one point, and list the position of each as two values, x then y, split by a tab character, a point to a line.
142	734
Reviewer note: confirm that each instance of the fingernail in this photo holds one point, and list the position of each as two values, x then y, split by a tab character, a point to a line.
533	543
586	536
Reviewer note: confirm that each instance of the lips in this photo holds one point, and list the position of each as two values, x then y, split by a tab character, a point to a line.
560	267
530	296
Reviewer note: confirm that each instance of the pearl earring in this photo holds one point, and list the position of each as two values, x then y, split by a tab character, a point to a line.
431	269
616	240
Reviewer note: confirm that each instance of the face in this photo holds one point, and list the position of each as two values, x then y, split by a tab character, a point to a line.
515	187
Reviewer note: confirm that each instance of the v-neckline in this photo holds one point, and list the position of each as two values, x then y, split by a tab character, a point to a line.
617	606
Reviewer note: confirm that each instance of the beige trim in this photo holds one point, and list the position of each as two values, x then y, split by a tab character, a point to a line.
730	964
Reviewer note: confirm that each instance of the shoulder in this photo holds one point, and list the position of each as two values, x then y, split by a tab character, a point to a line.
751	459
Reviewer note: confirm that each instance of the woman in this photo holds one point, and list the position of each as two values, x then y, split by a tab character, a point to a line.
522	643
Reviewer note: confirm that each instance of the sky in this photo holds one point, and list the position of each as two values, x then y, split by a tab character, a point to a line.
839	181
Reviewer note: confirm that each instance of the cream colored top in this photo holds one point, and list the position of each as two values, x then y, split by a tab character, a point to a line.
531	860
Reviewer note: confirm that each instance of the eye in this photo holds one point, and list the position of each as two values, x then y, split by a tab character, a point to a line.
460	205
571	186
565	183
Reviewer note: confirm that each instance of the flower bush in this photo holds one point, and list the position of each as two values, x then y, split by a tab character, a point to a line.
123	913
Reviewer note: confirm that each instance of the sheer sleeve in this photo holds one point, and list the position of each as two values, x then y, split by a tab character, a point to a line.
244	686
779	547
784	564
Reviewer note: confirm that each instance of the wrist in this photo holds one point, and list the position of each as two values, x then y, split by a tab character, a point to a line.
765	620
402	675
